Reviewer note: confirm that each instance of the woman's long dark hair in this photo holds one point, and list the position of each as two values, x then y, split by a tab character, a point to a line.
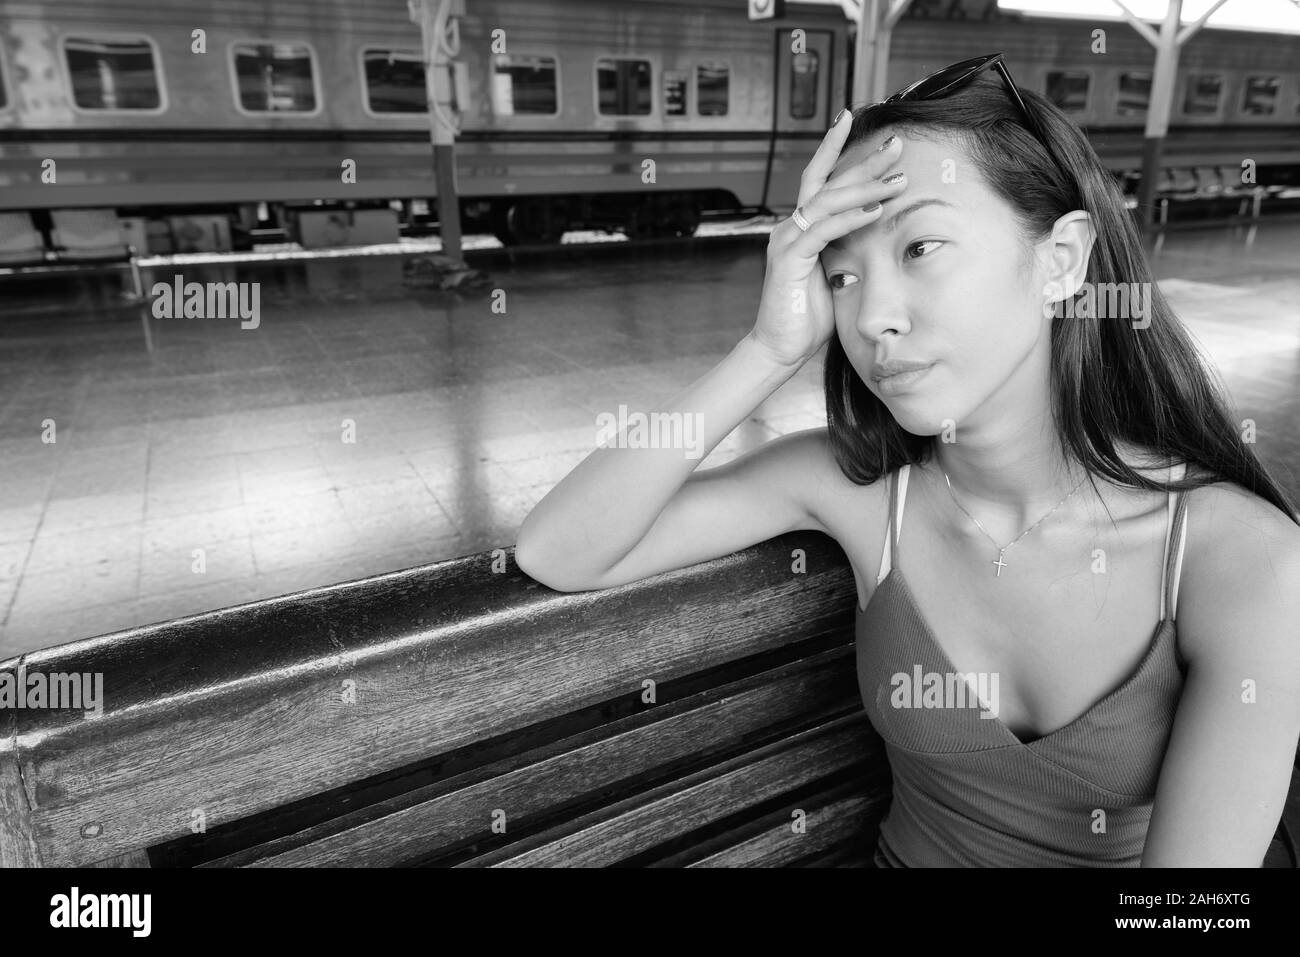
1109	381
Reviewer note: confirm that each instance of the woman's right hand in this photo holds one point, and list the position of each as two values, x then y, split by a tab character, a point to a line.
795	313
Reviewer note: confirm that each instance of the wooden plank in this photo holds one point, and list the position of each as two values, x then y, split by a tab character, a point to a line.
18	847
241	710
826	828
631	827
129	859
696	851
620	756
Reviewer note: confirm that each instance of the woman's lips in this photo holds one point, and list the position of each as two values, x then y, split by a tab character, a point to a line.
901	381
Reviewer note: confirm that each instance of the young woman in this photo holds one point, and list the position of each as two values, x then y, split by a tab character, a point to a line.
1051	505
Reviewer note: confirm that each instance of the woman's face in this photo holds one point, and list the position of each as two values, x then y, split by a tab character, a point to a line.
941	277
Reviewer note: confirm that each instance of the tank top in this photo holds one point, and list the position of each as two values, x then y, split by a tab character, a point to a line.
967	792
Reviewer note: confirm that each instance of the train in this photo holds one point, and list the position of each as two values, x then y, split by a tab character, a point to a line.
257	130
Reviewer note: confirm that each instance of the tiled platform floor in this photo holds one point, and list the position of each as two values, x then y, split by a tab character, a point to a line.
229	440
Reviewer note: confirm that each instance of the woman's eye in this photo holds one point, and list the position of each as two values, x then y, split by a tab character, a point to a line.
834	278
921	242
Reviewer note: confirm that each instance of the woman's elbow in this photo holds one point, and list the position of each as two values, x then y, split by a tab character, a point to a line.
536	565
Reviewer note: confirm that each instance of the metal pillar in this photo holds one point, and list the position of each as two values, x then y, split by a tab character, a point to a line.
1167	43
434	18
876	20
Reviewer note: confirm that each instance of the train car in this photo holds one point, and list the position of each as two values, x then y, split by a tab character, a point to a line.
556	130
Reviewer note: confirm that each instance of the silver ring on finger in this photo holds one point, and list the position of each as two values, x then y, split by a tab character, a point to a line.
800	220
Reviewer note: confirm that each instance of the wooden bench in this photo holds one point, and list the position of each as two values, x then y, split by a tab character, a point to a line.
463	714
460	714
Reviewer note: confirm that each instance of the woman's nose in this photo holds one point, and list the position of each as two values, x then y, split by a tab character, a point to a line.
881	310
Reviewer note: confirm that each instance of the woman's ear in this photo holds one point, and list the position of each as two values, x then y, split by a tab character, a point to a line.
1069	247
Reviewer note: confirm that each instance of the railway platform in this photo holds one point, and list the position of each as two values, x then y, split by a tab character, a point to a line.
369	421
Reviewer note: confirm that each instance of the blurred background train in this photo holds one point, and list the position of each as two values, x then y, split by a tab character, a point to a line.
244	142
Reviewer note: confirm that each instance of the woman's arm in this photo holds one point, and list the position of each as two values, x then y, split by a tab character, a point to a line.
1224	780
626	513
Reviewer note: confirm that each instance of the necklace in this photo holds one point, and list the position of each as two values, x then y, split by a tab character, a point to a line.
1003	548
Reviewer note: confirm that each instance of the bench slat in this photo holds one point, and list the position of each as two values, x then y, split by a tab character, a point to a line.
829	827
611	835
618	757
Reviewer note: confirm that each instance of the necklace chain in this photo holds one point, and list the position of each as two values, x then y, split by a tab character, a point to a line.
1003	548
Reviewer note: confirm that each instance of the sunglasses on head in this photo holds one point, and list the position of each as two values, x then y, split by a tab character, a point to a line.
952	78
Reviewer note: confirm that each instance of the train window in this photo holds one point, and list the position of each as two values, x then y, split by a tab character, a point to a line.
803	85
1261	95
113	74
1134	93
712	89
674	93
623	86
1202	95
394	81
274	77
1068	89
524	85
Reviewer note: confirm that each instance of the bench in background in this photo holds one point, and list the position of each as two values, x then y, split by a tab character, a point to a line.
80	239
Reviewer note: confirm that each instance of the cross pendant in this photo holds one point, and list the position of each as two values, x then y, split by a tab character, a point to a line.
1000	563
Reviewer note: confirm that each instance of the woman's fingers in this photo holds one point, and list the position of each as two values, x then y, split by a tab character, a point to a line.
874	166
837	212
811	242
861	185
819	167
828	202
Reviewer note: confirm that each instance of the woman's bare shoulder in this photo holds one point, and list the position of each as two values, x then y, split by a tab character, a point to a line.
1242	563
854	515
1229	512
1220	505
1148	462
833	499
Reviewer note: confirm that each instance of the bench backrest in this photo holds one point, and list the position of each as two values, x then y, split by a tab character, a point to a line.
459	713
20	240
87	233
1208	179
1179	179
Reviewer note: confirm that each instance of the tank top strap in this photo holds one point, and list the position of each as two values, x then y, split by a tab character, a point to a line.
897	498
1175	542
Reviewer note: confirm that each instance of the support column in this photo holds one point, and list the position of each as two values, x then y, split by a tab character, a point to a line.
876	20
1162	92
436	20
1167	43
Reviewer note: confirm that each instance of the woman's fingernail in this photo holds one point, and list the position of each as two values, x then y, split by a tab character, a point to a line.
889	141
839	116
870	207
892	178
